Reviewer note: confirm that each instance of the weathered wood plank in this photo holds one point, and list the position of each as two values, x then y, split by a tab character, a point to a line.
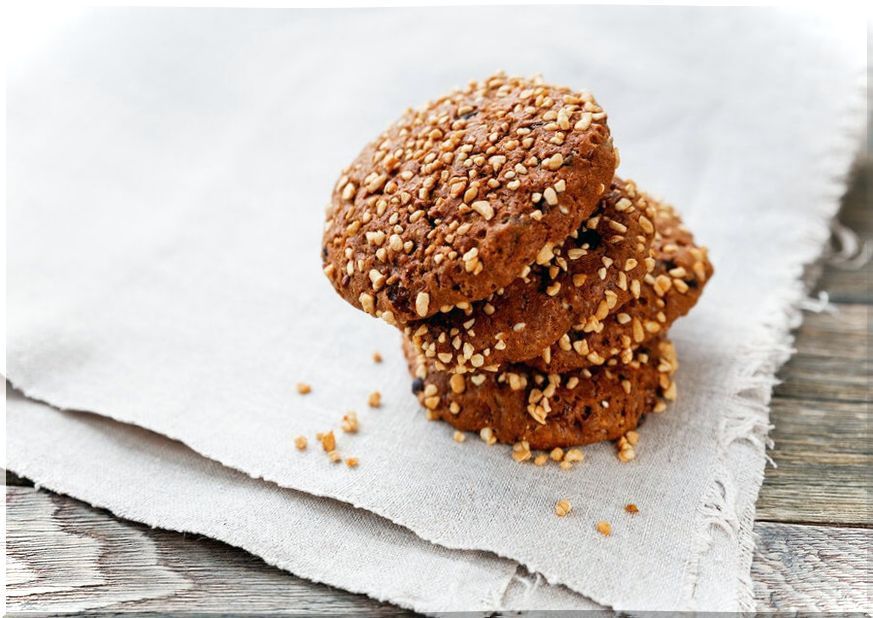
99	562
832	361
812	568
65	556
13	479
821	411
854	285
823	456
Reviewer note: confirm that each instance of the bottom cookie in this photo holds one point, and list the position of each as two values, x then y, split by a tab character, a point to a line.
549	410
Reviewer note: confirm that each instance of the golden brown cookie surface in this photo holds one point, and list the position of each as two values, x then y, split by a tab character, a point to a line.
550	410
668	293
590	275
456	198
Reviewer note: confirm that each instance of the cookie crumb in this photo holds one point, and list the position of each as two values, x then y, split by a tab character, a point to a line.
459	437
604	528
375	399
350	422
334	456
300	442
303	388
328	441
352	462
377	358
632	508
562	507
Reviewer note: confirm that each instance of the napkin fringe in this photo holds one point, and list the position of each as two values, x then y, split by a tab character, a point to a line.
747	422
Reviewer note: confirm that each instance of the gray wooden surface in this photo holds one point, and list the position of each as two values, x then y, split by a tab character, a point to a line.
814	519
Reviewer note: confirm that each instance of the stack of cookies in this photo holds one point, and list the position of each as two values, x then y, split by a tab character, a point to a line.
533	286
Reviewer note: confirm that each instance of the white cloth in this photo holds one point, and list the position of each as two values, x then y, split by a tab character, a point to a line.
145	477
166	175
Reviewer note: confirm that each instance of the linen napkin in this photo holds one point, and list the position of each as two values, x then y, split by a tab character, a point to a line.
145	477
167	171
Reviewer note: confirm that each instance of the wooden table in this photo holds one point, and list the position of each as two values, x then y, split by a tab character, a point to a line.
814	520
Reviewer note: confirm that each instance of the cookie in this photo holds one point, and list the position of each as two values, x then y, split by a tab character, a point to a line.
457	197
668	293
584	279
550	410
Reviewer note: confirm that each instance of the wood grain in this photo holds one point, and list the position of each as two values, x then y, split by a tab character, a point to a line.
812	568
821	411
832	362
853	286
65	556
98	562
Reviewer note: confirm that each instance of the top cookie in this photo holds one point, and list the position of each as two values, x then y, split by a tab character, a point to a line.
456	198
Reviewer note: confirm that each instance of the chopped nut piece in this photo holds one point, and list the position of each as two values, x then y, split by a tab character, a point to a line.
545	254
487	435
574	455
632	509
377	279
456	382
377	358
627	454
422	302
557	454
300	442
521	451
604	528
367	301
483	208
579	280
328	441
551	196
303	388
459	436
562	507
541	459
375	399
350	422
352	462
554	162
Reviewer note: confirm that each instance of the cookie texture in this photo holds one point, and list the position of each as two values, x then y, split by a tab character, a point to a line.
668	293
457	197
549	410
583	280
